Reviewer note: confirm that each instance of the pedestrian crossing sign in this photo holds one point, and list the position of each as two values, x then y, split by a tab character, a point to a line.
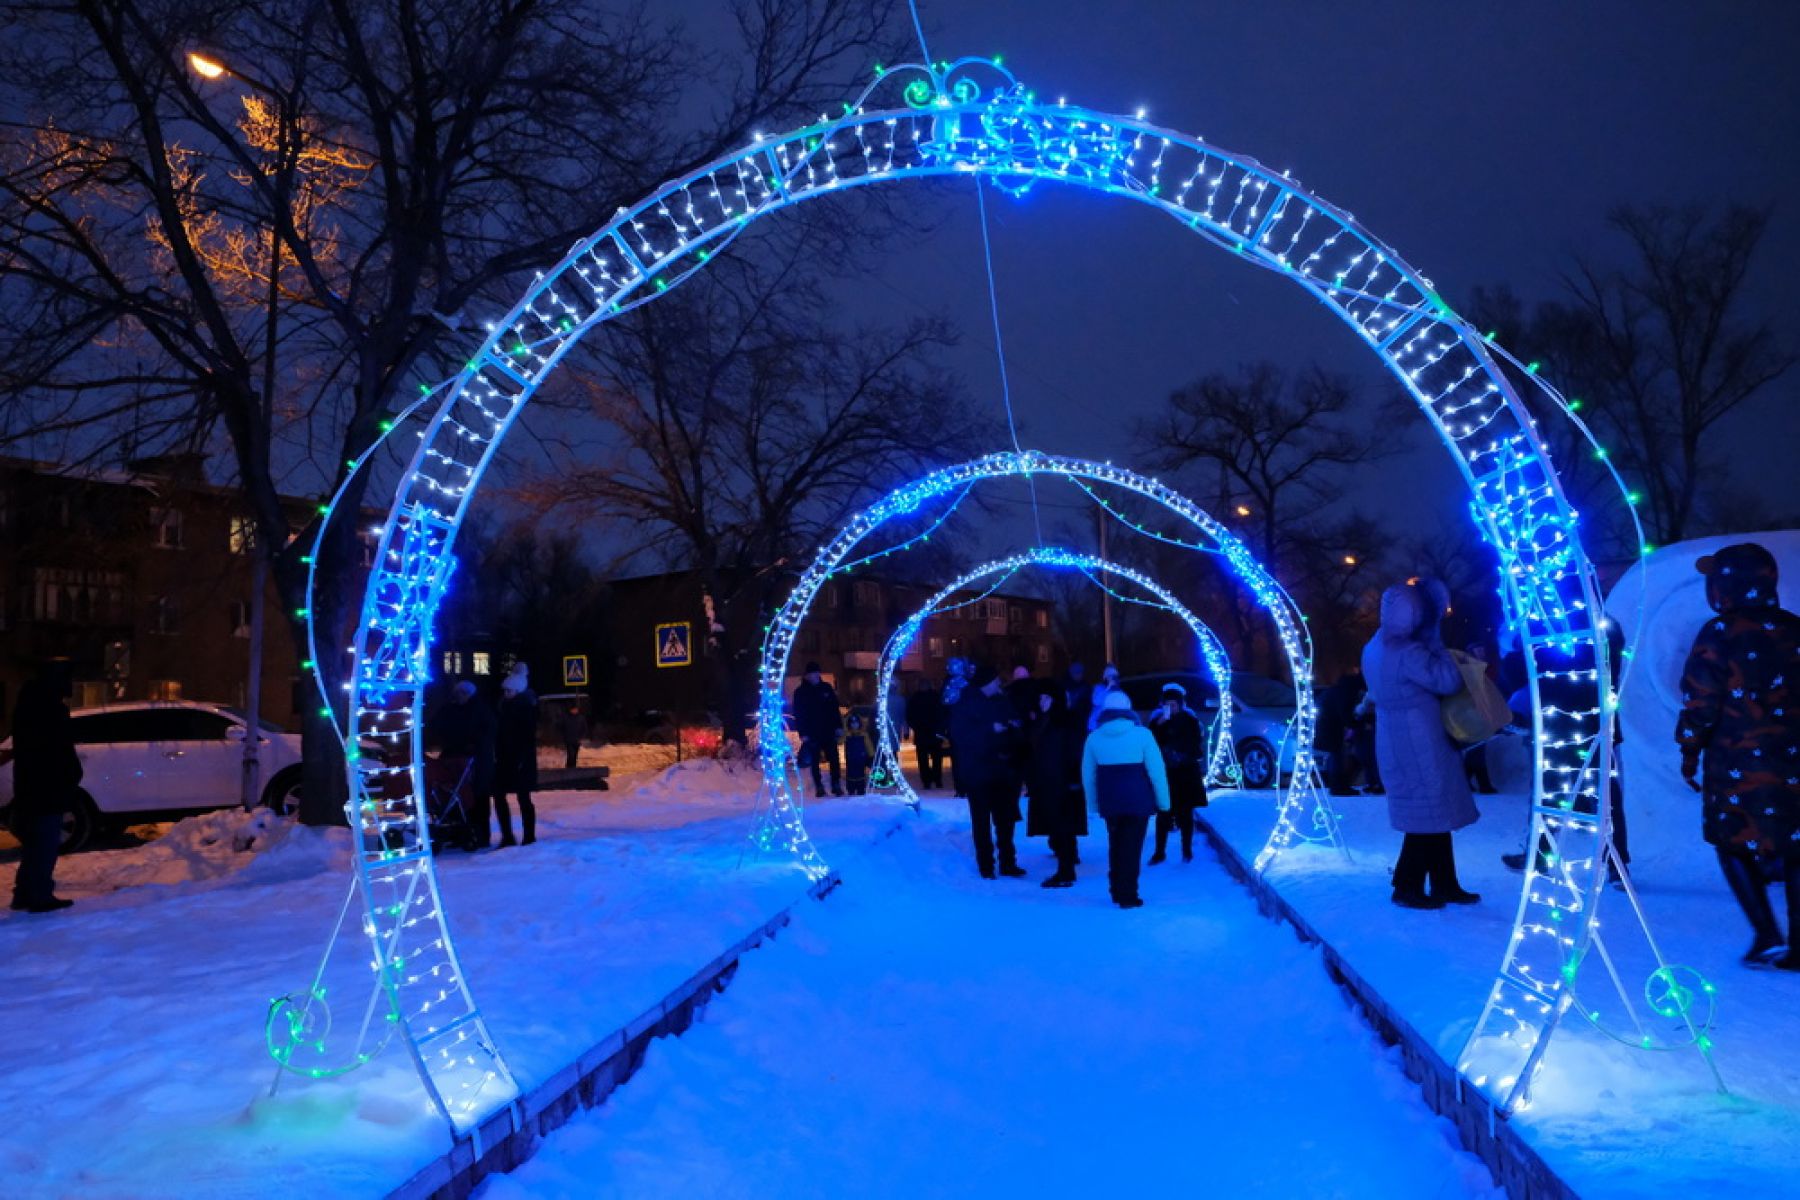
575	670
674	644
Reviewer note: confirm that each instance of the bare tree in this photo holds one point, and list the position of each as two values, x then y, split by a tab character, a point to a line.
1273	442
336	185
1659	351
737	429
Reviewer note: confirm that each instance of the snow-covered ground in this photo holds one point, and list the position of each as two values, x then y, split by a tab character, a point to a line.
1612	1120
930	1033
134	1063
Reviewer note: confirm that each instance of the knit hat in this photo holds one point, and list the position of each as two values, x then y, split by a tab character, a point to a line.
516	679
1021	673
1174	689
464	689
812	668
1116	702
984	675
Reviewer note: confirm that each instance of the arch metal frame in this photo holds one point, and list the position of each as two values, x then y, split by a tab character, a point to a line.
1218	667
970	117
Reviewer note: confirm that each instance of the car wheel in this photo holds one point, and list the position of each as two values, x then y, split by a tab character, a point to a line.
1257	760
282	796
79	823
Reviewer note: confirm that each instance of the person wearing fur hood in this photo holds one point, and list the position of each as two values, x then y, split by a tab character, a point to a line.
1409	672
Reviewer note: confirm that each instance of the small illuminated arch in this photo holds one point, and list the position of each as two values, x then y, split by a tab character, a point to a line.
1221	759
970	117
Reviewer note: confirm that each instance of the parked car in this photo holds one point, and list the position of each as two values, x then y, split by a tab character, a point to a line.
1262	710
159	761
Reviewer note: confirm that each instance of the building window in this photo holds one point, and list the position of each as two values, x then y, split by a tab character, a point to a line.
367	545
88	694
867	592
934	647
481	663
165	689
1043	653
240	618
165	616
165	528
1043	618
1015	617
242	535
453	662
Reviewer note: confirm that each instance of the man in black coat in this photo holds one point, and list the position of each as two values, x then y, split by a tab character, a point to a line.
466	728
46	778
515	754
1078	694
985	729
925	714
818	720
1183	744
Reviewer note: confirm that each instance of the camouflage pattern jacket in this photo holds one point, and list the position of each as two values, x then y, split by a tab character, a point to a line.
1740	709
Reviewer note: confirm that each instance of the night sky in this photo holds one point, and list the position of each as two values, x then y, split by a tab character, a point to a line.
1486	143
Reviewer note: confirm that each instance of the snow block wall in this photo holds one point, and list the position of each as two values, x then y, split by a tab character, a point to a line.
1661	603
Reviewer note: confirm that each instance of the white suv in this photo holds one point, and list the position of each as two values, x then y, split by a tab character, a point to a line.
156	761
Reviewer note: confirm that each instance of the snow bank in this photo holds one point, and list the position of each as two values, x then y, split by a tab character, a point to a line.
1661	602
212	848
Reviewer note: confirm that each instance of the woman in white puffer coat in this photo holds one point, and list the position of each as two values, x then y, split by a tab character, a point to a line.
1122	772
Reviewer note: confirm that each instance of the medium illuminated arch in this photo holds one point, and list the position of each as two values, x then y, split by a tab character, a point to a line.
971	118
1220	759
784	825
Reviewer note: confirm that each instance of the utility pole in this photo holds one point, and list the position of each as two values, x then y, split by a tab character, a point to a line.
286	150
1106	622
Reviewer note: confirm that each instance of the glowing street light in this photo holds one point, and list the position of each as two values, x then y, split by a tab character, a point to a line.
1243	510
206	68
1349	560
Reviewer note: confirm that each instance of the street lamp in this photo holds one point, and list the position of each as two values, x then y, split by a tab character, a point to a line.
210	68
206	68
1243	510
1349	560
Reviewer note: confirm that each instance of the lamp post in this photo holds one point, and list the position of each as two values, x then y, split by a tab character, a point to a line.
281	181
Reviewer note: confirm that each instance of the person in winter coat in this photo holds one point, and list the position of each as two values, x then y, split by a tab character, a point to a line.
1078	694
1408	673
1023	692
46	784
573	726
1108	685
464	728
818	719
1183	744
925	713
1123	776
1335	733
956	681
859	752
515	755
1053	783
984	728
1739	733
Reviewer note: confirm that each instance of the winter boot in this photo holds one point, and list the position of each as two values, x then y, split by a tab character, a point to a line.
1420	900
1061	879
1744	877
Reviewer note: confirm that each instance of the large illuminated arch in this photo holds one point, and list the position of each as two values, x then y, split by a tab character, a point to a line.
971	118
1220	757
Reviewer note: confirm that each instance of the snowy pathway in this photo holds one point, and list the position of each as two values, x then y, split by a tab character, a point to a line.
927	1033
